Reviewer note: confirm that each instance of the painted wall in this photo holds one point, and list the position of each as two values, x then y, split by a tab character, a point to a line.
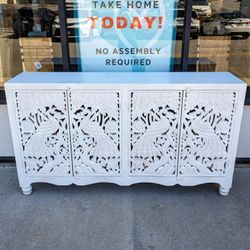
6	148
244	141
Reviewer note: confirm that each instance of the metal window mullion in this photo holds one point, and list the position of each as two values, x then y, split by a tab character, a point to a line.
186	35
64	35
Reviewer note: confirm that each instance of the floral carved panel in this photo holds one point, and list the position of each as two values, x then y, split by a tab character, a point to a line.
206	132
43	129
95	125
154	118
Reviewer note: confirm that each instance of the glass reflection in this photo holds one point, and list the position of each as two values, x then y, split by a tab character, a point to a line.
223	43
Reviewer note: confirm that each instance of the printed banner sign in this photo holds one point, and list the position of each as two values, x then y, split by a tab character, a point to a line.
126	35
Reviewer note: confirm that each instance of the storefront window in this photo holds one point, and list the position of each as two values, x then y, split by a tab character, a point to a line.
224	40
29	37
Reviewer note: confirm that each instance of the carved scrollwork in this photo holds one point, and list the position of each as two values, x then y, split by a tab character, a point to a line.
43	128
154	132
95	132
207	121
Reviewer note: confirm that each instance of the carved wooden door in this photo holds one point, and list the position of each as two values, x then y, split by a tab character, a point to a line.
95	130
206	132
154	132
43	130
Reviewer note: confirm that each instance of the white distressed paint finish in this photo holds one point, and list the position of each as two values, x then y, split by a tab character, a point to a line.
165	128
206	132
95	132
154	126
43	131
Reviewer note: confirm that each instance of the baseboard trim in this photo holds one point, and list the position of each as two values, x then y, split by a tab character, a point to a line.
7	159
243	160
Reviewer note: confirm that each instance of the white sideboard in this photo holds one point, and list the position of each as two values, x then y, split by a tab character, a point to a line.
125	128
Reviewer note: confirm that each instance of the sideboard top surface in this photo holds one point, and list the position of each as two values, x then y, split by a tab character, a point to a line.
125	78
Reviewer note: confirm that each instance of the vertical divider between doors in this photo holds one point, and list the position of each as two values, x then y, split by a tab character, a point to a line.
180	129
69	130
125	133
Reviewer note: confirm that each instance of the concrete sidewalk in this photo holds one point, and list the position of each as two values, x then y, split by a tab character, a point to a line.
109	217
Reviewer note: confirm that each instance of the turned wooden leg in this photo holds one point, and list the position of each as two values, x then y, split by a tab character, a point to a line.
27	190
223	190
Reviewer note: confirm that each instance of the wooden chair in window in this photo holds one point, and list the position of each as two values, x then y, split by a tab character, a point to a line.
215	49
6	59
36	52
